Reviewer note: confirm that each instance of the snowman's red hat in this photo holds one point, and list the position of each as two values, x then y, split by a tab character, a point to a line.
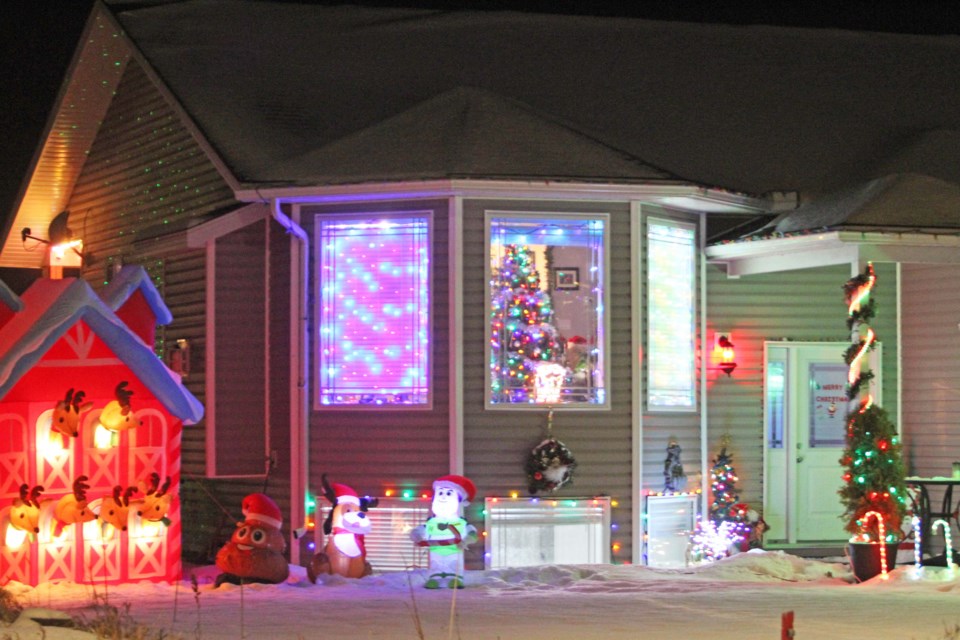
463	486
259	507
345	494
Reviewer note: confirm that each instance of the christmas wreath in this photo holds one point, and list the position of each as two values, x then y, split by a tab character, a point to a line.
549	466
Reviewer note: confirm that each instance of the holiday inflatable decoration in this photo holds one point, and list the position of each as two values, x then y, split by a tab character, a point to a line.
157	500
255	551
115	508
446	535
66	414
25	513
118	415
346	525
66	347
73	508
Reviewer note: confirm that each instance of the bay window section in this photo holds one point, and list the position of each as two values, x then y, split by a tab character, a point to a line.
671	315
546	329
374	310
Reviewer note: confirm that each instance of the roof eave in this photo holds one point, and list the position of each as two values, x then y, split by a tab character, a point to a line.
670	194
832	247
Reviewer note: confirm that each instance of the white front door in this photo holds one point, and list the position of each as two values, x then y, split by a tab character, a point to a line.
805	424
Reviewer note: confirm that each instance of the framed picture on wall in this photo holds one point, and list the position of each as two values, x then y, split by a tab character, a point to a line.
566	278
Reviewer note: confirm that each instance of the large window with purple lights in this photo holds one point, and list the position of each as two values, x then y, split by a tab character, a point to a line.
373	332
546	328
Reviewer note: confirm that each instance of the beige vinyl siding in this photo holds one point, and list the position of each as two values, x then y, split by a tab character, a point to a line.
496	441
931	368
800	305
239	416
373	449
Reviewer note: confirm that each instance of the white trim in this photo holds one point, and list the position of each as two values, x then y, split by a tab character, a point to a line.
831	248
636	368
674	195
704	424
211	360
201	234
455	253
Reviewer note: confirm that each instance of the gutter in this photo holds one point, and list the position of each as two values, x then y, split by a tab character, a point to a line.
299	379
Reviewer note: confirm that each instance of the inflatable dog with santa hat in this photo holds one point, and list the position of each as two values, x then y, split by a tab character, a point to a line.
446	535
255	551
346	525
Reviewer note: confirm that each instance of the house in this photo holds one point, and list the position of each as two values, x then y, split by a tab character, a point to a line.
69	366
344	207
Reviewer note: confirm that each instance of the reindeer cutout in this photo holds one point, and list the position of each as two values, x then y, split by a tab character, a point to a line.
73	508
118	415
66	415
115	508
155	505
25	512
346	525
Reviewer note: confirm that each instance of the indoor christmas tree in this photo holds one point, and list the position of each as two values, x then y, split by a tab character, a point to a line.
874	493
523	336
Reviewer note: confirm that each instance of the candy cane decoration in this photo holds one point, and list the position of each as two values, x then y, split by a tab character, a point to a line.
947	539
859	312
917	553
882	543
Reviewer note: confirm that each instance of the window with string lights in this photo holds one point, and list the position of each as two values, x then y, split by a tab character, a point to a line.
373	332
547	327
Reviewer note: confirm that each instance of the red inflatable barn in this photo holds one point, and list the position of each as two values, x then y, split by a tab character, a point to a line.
90	424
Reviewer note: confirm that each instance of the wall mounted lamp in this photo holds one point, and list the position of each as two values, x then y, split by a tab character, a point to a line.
726	353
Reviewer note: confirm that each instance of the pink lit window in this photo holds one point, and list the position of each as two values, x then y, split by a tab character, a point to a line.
374	310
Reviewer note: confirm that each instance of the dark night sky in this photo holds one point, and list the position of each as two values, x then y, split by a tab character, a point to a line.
39	37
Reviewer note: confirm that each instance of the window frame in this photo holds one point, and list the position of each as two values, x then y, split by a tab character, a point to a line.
648	312
603	321
317	393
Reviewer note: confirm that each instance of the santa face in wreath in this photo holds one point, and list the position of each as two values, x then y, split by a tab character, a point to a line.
446	535
255	551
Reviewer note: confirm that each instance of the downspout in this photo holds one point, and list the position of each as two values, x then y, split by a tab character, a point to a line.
299	378
704	394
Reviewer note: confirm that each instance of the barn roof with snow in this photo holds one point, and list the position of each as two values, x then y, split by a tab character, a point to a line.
52	307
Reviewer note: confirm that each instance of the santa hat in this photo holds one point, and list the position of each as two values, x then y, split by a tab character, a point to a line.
461	485
345	494
258	507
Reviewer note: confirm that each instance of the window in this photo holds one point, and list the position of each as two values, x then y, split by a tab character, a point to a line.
671	309
547	293
374	310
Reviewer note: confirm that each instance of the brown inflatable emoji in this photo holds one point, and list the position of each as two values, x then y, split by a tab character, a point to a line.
255	551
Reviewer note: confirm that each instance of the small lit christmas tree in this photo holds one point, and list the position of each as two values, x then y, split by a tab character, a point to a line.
725	505
521	315
874	493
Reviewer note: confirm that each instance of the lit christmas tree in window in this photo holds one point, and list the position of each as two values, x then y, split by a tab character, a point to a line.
522	338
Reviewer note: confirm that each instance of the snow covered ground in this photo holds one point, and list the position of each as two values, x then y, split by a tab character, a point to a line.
739	597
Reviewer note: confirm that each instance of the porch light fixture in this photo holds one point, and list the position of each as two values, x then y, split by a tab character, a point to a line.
728	354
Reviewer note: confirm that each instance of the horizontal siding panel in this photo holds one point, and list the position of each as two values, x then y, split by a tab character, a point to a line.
931	368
